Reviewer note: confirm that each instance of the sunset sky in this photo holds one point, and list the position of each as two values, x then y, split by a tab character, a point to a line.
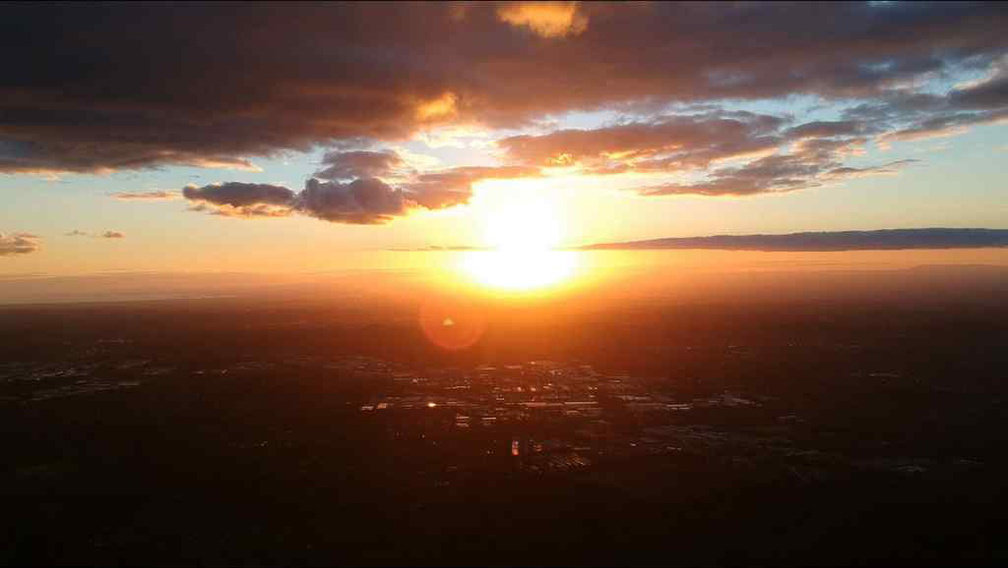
296	138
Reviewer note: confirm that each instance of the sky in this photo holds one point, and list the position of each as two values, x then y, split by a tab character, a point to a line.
279	138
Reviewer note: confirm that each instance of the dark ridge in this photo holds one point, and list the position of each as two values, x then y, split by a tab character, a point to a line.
885	239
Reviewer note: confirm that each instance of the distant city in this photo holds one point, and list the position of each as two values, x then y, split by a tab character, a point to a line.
279	431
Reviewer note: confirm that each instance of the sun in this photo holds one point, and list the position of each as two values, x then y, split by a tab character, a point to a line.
525	227
522	234
519	271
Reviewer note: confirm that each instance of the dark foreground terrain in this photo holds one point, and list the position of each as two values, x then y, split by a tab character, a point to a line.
826	430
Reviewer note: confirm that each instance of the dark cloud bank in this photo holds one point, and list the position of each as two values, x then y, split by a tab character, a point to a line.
888	239
126	86
151	84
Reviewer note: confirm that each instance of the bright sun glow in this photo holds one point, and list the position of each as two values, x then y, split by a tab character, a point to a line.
519	270
529	226
522	233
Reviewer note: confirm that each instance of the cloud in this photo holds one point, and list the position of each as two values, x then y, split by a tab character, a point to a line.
812	165
438	109
255	210
358	164
886	239
292	78
450	187
988	93
103	235
364	201
667	143
361	201
237	194
545	19
889	168
244	200
943	125
159	195
776	155
78	153
923	116
18	243
827	129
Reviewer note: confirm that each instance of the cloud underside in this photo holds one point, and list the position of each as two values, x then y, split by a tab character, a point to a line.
362	200
154	85
18	243
720	152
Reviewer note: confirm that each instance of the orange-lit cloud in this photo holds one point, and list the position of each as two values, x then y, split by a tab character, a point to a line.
453	186
441	108
546	19
18	243
253	211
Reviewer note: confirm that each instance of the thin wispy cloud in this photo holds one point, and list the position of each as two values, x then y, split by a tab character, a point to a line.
109	234
159	195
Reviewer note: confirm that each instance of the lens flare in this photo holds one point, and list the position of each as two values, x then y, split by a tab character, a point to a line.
452	324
